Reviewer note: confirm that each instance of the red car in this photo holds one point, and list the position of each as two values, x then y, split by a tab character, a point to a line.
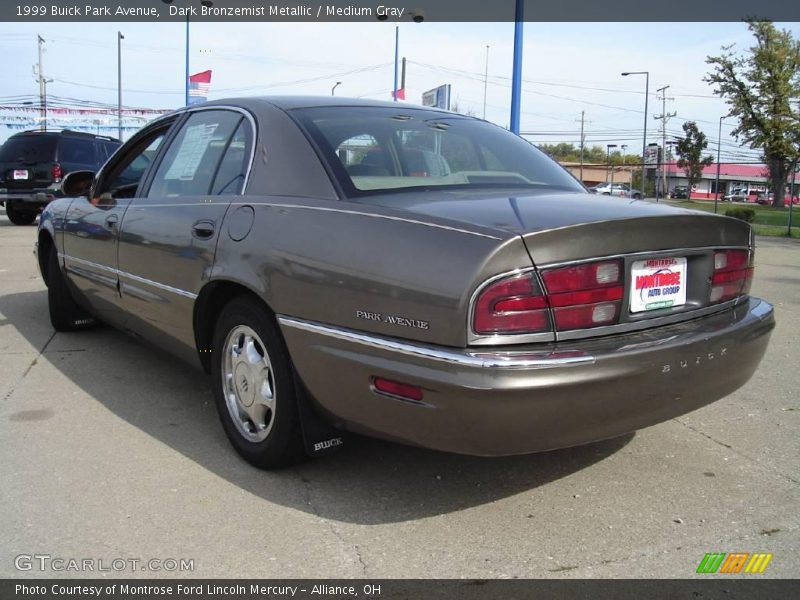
768	198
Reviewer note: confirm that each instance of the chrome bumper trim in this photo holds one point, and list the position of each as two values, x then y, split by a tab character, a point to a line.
481	359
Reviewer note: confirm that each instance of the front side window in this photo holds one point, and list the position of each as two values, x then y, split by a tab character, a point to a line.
375	150
120	178
130	172
191	161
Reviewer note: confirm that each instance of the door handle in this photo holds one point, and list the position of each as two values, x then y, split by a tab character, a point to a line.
111	221
203	229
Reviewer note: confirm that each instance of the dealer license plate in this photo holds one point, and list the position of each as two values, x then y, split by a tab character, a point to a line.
20	174
658	283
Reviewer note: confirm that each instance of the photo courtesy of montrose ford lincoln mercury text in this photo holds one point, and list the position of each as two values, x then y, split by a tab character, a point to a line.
401	272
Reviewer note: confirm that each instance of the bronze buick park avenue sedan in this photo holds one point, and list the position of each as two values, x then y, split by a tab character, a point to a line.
407	273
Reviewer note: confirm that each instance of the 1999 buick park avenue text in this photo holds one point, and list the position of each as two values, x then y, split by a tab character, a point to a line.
401	272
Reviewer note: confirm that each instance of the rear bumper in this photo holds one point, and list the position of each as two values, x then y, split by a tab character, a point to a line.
520	400
34	198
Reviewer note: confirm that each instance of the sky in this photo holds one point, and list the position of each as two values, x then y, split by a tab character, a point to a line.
567	68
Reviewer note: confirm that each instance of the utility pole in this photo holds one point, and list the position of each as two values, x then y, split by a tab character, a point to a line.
791	197
120	37
583	140
40	75
403	76
664	117
670	156
485	81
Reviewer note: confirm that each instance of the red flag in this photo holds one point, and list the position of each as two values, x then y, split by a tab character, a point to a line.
399	94
199	84
204	77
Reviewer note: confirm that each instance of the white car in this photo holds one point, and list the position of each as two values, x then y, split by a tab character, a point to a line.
622	190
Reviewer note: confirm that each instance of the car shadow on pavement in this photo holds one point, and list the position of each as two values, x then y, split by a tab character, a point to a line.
368	482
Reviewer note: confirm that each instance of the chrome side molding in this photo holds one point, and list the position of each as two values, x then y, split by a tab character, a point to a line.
480	359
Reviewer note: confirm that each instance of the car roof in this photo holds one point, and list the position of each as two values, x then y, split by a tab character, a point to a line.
65	133
294	102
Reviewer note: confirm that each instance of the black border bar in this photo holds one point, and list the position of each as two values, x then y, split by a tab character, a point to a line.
729	587
397	10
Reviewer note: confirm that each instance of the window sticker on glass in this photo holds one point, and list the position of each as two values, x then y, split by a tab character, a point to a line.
193	147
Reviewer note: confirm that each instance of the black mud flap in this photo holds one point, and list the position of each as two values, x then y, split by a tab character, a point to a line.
320	437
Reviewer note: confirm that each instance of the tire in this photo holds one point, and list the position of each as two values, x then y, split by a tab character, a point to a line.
65	314
19	217
252	379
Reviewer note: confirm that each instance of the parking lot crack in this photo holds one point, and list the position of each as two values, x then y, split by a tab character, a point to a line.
332	527
783	475
27	370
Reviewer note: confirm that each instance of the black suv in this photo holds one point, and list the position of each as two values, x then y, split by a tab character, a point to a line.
32	164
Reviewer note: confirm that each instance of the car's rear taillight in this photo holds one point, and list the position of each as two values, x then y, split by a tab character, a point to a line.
733	274
56	172
512	305
586	295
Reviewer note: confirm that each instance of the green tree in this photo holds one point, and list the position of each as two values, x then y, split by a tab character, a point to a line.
762	89
690	152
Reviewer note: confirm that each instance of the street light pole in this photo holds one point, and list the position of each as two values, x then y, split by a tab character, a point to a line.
396	58
719	146
335	85
206	3
45	81
608	160
40	74
646	97
516	75
120	37
583	141
622	149
485	81
186	78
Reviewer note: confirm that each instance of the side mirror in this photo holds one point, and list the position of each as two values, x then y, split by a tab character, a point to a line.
77	183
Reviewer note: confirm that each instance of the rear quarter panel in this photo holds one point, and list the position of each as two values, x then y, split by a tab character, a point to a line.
339	263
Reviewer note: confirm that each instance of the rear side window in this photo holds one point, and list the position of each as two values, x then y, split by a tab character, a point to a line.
233	167
192	158
77	150
29	149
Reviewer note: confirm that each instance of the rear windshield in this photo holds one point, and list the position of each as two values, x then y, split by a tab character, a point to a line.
376	149
29	149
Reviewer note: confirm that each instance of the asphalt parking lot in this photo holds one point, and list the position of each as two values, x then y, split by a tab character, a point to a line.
111	449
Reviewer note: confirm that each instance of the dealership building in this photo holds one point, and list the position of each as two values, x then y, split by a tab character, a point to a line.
752	178
732	176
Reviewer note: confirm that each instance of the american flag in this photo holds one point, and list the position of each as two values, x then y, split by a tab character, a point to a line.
199	84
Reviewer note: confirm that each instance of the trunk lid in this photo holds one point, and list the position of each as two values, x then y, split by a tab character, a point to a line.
560	227
642	236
